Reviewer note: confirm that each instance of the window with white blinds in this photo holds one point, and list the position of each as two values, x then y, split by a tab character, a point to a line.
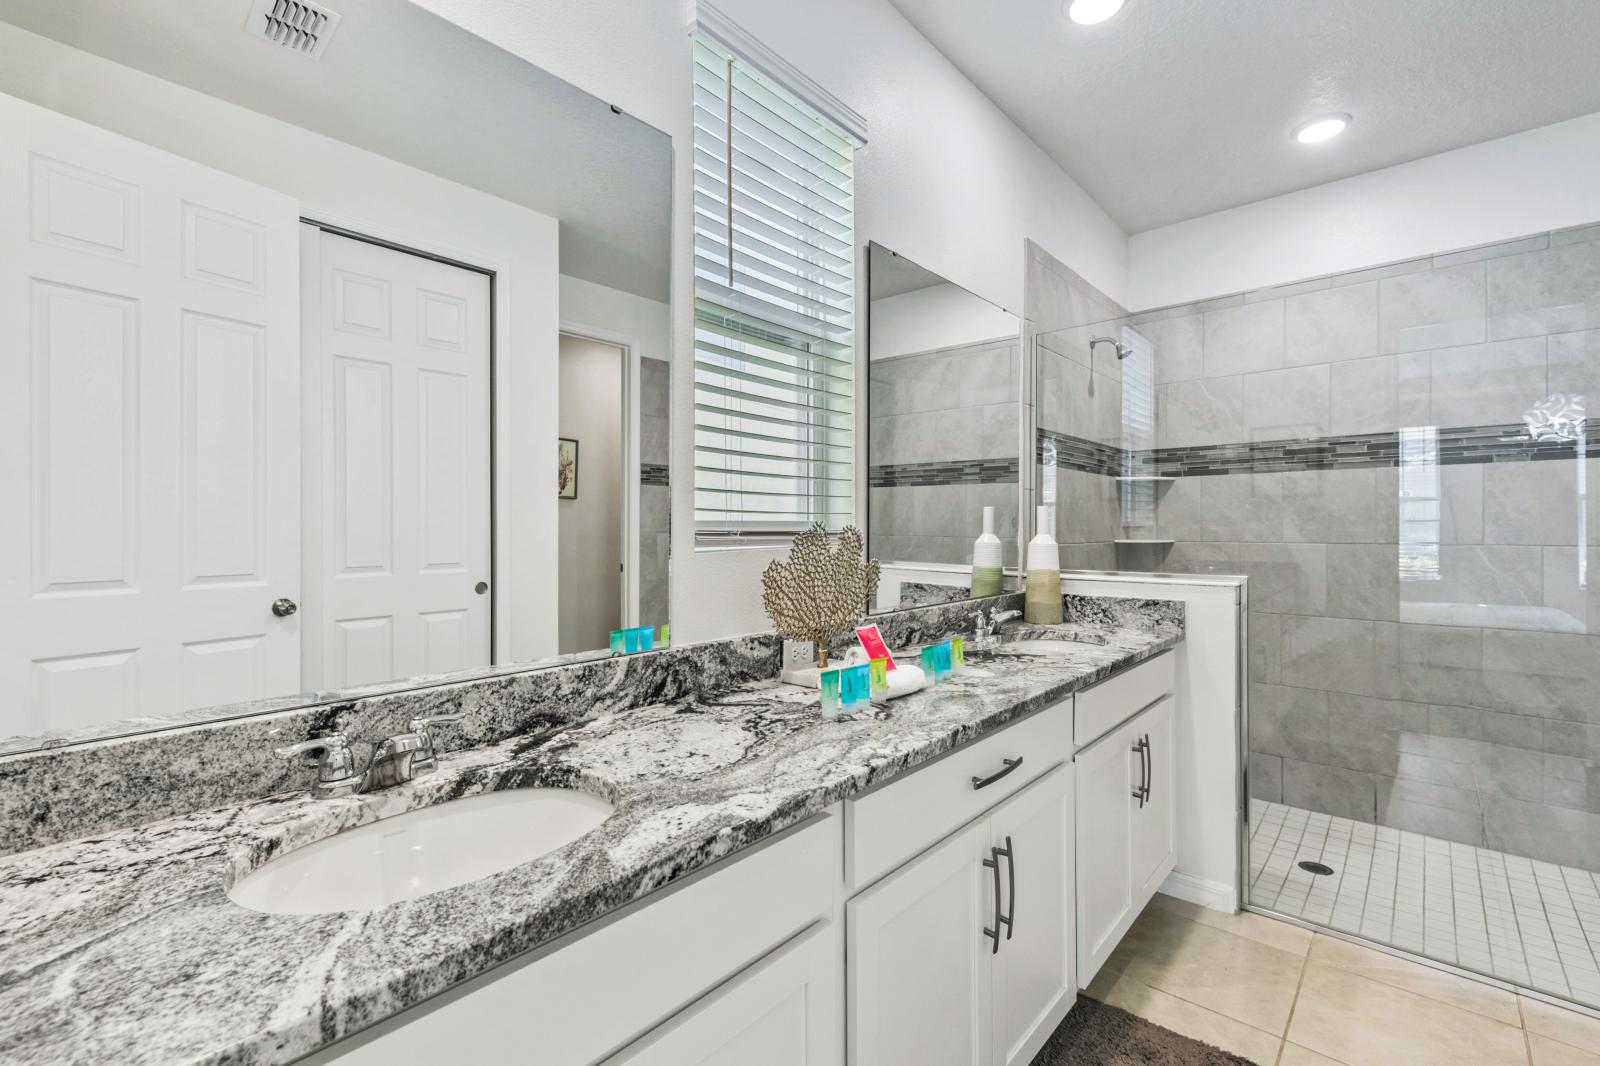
774	357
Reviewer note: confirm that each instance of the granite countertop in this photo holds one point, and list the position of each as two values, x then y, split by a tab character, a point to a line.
125	947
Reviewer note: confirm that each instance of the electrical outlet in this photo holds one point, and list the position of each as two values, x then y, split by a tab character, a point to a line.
799	654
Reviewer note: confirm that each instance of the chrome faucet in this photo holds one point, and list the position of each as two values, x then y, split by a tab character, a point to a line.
986	627
395	760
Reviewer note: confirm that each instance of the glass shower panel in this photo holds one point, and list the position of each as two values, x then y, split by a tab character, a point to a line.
1399	460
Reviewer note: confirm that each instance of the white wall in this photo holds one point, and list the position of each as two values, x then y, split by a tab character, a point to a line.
339	184
940	316
1543	179
947	181
595	309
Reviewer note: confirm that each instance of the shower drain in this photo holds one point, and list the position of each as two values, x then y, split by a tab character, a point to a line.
1318	868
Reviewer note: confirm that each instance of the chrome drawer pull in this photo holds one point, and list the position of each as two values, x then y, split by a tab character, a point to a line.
985	782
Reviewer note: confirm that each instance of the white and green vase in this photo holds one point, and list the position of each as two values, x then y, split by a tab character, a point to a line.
988	576
1042	599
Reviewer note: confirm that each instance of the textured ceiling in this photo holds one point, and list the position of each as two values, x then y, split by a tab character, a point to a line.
405	84
1178	108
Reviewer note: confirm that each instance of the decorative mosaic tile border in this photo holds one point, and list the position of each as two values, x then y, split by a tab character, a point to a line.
652	473
959	472
1080	453
1507	442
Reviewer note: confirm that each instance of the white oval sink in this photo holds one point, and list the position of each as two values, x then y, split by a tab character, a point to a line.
421	851
1046	647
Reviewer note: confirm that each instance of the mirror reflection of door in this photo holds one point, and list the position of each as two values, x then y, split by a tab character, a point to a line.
244	455
155	378
593	398
397	474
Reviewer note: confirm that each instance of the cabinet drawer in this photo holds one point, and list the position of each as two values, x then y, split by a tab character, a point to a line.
1113	701
886	827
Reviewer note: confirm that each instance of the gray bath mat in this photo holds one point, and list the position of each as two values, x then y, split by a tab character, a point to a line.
1095	1034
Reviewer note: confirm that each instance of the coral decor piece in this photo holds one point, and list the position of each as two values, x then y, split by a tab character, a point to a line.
823	588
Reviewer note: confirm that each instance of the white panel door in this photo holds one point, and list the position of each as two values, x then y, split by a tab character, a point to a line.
784	1011
1034	972
1107	772
150	428
918	960
399	482
1155	832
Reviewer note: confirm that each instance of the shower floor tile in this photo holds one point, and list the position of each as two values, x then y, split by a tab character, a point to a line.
1530	923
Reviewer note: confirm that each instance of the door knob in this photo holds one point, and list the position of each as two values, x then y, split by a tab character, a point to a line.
481	587
283	607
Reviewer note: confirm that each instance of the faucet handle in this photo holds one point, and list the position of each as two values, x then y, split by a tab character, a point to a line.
427	760
336	764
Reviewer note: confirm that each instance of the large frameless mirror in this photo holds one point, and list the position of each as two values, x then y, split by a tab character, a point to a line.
943	398
337	361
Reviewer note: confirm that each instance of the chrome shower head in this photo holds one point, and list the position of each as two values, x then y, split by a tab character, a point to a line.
1123	351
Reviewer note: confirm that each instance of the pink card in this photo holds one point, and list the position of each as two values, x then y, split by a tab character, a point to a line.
872	641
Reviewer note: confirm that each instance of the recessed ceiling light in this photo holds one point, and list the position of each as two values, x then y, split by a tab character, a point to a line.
1324	128
1089	12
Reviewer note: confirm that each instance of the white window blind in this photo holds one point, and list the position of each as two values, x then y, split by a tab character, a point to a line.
1138	429
774	305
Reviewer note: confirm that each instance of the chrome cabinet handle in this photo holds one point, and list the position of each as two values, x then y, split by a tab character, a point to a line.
283	607
985	782
993	863
1138	749
1150	767
1011	884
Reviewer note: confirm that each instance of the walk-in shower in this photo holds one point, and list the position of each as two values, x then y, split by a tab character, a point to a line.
1398	458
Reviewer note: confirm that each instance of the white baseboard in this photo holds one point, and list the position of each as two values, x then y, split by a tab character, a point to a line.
1213	894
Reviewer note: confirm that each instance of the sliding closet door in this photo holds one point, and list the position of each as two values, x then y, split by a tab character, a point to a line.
150	428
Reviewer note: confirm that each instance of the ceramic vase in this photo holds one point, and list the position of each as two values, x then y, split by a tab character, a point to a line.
1042	599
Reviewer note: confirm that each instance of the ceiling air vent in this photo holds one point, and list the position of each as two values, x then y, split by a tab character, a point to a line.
293	24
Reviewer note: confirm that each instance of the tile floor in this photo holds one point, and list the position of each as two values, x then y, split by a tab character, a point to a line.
1526	922
1283	996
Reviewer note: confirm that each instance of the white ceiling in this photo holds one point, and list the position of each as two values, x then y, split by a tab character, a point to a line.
403	83
1178	108
892	274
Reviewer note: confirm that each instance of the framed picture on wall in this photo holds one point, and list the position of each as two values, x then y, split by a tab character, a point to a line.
566	468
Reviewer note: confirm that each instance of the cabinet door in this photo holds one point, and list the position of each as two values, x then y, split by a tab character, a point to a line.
1155	824
918	960
1034	973
784	1011
1107	773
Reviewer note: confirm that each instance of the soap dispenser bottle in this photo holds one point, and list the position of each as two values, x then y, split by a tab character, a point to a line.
988	579
1042	600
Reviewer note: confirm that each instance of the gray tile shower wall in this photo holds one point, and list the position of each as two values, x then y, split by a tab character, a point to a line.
1079	409
942	446
1398	458
655	499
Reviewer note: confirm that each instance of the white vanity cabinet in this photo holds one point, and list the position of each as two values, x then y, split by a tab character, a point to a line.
1126	818
946	918
783	1011
964	956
